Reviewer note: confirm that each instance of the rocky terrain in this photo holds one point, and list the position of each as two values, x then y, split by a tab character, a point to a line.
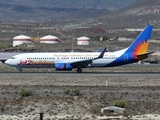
141	11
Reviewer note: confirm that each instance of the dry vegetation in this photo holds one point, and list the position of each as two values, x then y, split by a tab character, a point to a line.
56	93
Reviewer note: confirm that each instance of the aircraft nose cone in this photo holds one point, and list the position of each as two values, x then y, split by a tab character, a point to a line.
7	62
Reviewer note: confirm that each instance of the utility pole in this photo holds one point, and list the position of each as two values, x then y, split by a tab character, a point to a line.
72	41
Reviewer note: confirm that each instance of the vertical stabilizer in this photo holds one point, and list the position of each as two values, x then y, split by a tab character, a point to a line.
140	44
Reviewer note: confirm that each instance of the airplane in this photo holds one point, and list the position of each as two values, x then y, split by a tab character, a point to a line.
66	61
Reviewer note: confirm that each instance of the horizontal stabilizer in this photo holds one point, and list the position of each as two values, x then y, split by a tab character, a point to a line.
144	56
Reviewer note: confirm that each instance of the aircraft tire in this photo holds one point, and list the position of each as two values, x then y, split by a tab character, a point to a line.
20	70
79	70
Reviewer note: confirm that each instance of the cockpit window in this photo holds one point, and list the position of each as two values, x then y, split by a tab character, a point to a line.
12	57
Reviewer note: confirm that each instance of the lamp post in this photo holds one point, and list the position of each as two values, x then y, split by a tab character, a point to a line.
72	40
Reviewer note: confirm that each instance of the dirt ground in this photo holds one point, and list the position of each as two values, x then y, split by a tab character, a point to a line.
139	90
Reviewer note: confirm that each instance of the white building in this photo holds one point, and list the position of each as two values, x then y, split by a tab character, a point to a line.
113	109
50	39
125	39
83	41
21	39
134	29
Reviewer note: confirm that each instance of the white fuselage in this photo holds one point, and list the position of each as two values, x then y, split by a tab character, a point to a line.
38	60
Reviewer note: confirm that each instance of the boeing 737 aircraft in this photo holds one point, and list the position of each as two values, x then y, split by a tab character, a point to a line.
66	61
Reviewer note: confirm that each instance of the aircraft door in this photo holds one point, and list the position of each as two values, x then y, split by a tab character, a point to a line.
126	57
21	61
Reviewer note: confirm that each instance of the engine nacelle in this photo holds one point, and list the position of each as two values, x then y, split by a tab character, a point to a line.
63	66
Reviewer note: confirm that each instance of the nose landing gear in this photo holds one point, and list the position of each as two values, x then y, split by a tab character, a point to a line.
19	69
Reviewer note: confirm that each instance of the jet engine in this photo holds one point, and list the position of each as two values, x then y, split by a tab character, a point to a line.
63	66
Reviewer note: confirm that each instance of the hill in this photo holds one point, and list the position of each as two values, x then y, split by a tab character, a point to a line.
87	13
78	4
142	7
141	11
42	10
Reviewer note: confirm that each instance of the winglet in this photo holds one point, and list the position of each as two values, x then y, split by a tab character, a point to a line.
102	53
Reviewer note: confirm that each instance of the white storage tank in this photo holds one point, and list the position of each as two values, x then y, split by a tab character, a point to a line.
83	41
50	39
21	39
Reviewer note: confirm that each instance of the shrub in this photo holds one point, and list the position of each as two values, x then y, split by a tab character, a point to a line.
119	103
76	92
125	113
71	92
26	92
95	108
66	92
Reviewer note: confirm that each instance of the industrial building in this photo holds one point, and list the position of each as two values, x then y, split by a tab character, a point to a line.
21	39
83	41
49	39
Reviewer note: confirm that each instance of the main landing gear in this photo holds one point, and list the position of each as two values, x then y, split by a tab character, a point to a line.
20	70
79	70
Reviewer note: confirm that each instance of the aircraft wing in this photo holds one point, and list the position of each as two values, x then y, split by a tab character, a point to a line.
84	63
144	56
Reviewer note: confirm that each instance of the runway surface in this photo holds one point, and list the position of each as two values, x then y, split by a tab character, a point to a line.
84	73
132	69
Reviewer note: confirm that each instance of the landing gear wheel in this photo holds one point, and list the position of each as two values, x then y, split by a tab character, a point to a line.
79	70
20	70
